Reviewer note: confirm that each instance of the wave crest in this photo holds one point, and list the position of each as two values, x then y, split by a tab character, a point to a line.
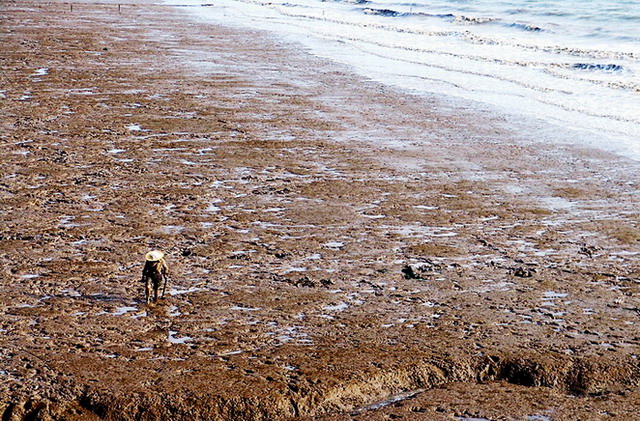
469	20
598	67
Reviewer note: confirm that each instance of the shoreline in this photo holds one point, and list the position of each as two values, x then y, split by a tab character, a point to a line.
333	242
440	69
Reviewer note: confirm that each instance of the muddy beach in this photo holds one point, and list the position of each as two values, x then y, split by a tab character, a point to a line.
338	250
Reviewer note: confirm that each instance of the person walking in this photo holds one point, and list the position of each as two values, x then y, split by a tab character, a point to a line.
155	272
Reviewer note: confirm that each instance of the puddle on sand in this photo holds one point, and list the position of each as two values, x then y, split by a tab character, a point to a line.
172	338
333	245
239	308
172	229
123	310
177	290
41	72
472	419
338	307
149	348
550	295
231	353
490	285
212	206
65	221
294	269
187	162
391	400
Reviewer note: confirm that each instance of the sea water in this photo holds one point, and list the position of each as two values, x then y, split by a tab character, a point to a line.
574	64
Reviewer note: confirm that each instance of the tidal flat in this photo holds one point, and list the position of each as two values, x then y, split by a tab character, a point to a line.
338	249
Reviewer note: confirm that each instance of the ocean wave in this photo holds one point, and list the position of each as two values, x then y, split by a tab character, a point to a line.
554	69
468	20
468	36
566	71
555	49
457	19
526	27
394	13
598	67
382	12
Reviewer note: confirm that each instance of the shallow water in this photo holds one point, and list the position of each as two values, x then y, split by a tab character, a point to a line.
571	63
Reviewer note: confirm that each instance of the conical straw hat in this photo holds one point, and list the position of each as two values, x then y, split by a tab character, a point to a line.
154	256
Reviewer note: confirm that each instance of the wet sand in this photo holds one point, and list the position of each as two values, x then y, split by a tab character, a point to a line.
339	250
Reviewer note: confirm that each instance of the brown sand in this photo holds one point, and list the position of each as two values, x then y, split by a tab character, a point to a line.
339	250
